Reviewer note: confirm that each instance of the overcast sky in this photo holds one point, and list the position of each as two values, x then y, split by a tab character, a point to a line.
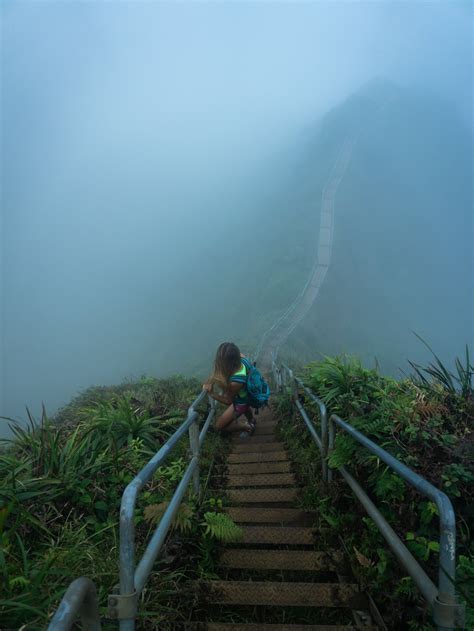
125	125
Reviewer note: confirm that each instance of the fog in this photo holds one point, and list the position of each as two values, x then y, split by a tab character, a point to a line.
154	155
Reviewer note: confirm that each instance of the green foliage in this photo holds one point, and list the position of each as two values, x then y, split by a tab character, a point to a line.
455	476
427	423
437	374
182	521
221	527
114	424
61	482
421	547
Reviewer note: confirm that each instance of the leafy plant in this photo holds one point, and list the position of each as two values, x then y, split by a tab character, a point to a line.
221	527
116	423
436	374
182	520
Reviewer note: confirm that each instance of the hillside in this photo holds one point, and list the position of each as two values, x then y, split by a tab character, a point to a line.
402	255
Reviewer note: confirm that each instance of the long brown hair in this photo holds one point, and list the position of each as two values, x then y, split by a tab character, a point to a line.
228	360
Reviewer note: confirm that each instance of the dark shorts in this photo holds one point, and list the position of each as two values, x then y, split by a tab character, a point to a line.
241	408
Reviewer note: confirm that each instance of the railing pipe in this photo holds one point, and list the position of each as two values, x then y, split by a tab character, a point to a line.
322	441
309	424
208	422
127	518
194	446
153	548
80	599
447	614
128	592
447	540
422	580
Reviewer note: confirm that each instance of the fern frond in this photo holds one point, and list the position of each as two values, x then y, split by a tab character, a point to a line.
182	520
221	527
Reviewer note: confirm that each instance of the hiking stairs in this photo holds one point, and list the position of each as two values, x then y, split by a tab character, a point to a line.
274	578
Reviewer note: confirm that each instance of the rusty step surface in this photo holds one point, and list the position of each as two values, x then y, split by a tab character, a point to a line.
257	496
278	594
271	456
262	429
227	626
304	560
263	515
250	468
264	479
256	439
290	535
248	446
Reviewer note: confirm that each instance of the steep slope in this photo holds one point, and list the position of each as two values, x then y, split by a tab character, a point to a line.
402	246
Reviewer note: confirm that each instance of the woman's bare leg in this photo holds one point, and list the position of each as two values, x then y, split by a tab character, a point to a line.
228	423
239	425
250	417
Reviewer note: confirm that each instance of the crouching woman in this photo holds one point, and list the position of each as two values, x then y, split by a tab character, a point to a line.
231	370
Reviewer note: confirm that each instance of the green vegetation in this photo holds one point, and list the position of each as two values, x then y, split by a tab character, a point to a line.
425	421
61	482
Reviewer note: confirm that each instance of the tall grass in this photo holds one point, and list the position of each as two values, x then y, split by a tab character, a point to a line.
61	482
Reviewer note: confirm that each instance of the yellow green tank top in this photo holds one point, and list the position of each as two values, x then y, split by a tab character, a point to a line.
241	377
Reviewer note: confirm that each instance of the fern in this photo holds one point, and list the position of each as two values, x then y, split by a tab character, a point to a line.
343	451
19	581
182	520
221	527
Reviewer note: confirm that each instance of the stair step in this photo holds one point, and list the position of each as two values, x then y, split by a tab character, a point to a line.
247	445
271	456
267	515
252	496
265	479
258	439
284	594
258	467
291	535
226	626
265	427
281	560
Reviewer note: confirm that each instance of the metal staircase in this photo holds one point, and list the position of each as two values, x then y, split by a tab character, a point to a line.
278	542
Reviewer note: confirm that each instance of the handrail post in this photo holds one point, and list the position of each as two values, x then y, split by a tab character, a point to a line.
79	599
127	561
194	447
331	437
324	443
293	384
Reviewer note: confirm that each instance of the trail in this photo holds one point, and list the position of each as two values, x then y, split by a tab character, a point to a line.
279	332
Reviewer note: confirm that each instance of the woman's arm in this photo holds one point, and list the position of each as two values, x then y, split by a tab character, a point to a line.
226	399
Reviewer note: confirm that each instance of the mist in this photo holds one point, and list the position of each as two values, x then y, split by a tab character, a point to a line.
155	154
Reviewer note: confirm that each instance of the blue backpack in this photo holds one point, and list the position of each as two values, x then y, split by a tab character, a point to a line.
257	388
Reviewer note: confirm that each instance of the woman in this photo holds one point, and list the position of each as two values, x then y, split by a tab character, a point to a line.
231	370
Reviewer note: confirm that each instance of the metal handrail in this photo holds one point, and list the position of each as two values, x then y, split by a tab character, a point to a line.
320	440
80	598
447	613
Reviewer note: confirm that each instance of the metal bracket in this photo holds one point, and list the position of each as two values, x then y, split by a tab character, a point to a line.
450	615
122	606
